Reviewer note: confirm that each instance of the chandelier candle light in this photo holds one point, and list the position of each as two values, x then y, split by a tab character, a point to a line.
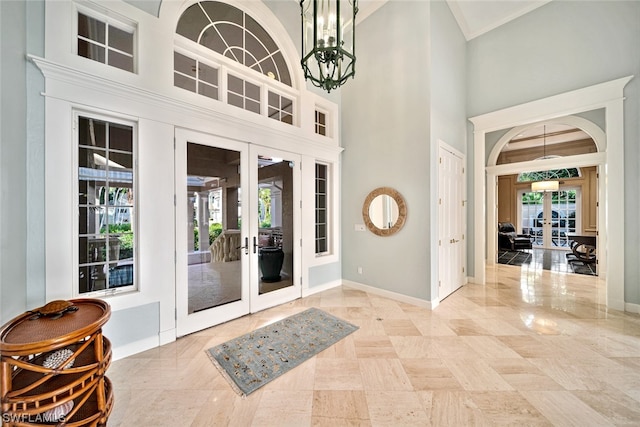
328	41
547	184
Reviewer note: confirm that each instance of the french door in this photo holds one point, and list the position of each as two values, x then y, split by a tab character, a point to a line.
551	217
275	227
236	224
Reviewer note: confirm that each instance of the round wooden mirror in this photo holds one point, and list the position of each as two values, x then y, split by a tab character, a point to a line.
384	211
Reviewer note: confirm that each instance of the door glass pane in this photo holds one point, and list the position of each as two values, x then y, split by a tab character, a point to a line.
532	206
561	216
213	228
275	216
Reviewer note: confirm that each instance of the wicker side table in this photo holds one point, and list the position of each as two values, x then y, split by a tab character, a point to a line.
53	370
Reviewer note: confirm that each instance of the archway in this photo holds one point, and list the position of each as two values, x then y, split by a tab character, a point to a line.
610	96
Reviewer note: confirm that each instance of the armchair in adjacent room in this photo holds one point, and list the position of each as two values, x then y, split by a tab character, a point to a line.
510	240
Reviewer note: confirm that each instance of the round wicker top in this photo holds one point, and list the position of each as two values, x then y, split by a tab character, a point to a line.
22	335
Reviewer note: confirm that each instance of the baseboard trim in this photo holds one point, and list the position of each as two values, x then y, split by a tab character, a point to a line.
166	337
325	286
120	352
392	295
632	308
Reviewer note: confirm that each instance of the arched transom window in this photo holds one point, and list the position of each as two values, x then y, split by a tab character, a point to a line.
234	34
229	57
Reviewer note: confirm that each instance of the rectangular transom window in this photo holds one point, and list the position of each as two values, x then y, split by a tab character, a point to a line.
195	76
104	42
321	123
280	108
243	94
322	209
106	206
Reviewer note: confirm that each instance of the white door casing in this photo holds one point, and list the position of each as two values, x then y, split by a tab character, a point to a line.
608	95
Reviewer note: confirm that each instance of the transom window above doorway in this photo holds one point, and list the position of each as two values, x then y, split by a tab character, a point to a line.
224	54
232	33
550	174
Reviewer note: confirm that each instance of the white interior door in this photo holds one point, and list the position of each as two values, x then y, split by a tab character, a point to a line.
451	222
275	236
212	255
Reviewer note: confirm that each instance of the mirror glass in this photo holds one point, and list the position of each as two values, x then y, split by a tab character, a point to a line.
384	211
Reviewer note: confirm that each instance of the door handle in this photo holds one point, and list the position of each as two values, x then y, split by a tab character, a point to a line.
246	246
255	245
454	240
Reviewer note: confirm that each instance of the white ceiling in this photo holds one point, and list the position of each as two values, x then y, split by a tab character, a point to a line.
474	17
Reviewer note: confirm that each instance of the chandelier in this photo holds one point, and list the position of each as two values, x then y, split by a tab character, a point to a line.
546	184
328	41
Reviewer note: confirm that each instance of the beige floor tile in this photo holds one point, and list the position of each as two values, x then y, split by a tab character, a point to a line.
455	408
414	347
615	406
270	411
383	374
337	374
374	347
400	327
429	374
453	348
507	408
340	408
396	408
563	408
523	375
489	347
476	374
527	348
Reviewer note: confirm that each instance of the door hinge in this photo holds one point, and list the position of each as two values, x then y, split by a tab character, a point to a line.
440	160
300	242
300	204
174	142
439	283
175	200
176	313
440	201
300	280
463	269
439	242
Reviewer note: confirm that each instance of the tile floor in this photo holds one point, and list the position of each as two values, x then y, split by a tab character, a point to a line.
531	347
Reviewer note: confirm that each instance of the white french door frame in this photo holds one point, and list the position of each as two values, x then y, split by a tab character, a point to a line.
610	160
187	323
270	299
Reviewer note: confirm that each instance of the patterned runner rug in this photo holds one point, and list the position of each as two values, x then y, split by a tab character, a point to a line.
254	359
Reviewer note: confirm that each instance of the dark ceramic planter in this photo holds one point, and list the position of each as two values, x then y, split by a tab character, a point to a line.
270	260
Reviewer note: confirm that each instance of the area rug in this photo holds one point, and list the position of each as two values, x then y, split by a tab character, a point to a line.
254	359
513	257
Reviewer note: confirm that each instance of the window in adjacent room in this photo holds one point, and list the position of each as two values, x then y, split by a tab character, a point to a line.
106	41
106	206
322	209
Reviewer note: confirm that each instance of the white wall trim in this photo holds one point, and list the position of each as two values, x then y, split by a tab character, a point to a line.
608	95
389	294
307	291
126	350
632	308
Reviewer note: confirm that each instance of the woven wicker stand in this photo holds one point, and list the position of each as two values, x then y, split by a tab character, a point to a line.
46	363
